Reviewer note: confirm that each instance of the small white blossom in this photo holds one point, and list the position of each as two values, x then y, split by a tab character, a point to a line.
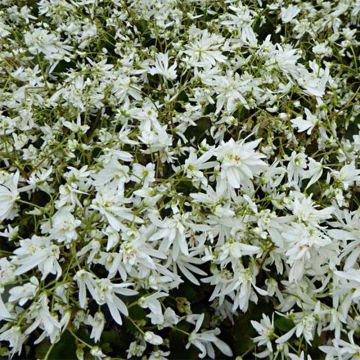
152	338
162	67
240	162
205	340
8	195
289	13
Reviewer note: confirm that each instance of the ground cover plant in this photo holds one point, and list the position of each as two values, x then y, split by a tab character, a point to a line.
179	179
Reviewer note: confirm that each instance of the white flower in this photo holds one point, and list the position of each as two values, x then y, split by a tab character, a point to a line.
285	57
97	323
170	318
62	226
4	312
91	250
240	162
205	340
103	291
8	195
266	331
110	203
341	349
353	276
243	287
348	174
76	126
186	264
230	89
306	211
205	51
37	252
314	83
348	229
306	125
301	357
304	244
39	312
159	355
143	174
193	165
15	337
97	353
10	233
314	172
84	280
173	233
296	166
23	293
242	21
39	180
289	13
162	67
7	269
106	293
113	173
322	49
113	237
41	41
235	249
135	349
154	135
152	338
151	302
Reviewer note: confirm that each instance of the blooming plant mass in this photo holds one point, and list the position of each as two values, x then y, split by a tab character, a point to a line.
179	179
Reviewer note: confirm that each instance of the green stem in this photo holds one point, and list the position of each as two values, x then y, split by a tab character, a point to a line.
79	339
49	351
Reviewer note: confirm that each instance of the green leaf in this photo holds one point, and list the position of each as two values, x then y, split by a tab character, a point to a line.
283	324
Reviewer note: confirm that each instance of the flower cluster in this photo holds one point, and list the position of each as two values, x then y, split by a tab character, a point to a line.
179	179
